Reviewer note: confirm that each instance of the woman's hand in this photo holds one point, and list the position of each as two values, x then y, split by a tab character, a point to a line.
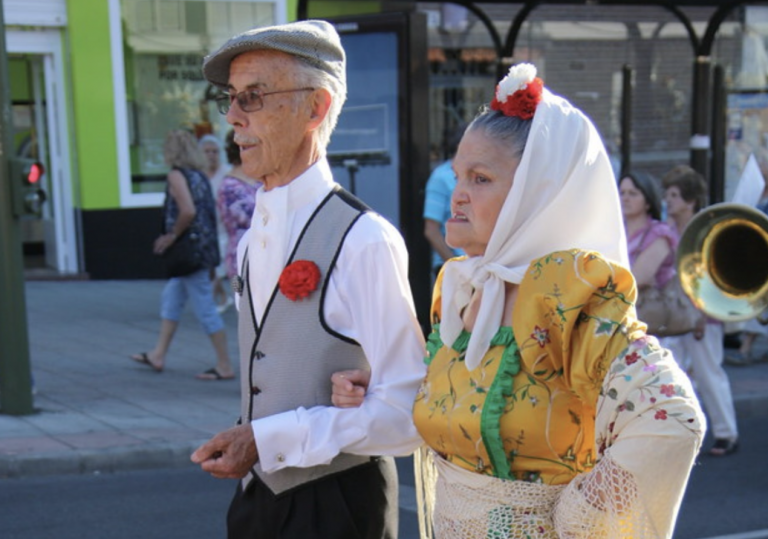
349	387
163	242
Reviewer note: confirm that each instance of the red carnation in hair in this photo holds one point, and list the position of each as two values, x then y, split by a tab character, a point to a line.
523	102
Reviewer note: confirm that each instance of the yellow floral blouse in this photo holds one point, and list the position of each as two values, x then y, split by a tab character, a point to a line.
528	410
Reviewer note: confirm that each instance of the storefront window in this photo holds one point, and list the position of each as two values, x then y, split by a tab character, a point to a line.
164	43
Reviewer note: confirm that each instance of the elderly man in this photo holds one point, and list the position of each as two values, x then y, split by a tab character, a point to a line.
322	288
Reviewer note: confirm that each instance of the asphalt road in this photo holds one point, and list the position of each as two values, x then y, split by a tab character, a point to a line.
727	497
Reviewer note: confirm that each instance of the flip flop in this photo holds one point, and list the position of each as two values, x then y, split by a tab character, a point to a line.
143	358
213	374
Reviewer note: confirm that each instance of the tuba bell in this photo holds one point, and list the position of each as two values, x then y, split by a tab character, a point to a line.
722	261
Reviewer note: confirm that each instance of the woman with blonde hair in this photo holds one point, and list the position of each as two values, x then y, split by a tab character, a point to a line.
189	217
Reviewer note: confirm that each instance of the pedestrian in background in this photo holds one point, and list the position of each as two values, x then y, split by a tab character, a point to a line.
322	286
701	352
189	204
235	201
437	204
215	170
753	329
651	243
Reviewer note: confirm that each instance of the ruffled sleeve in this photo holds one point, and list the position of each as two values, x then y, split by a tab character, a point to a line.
574	314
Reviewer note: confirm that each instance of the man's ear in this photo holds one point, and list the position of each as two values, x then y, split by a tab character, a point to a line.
321	104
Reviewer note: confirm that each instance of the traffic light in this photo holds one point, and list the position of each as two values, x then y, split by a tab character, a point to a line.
28	195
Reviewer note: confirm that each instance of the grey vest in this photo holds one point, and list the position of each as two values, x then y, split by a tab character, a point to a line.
287	362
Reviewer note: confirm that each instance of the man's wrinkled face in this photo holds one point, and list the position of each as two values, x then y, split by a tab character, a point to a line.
270	139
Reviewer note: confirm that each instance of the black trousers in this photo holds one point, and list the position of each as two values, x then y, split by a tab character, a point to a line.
359	503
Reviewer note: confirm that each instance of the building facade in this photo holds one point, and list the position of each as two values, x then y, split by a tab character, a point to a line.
96	84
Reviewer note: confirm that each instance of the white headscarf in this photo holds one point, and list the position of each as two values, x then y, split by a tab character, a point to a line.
563	196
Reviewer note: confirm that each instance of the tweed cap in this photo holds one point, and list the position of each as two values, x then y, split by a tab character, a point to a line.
315	42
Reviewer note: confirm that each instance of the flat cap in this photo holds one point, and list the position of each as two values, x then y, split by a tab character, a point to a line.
315	42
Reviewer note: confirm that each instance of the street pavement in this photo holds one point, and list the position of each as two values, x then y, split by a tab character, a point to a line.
98	411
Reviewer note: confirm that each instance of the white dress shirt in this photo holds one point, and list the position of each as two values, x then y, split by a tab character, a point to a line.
368	300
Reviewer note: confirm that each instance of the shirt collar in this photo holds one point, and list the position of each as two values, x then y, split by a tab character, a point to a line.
306	188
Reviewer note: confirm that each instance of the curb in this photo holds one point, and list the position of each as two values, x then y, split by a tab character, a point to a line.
96	461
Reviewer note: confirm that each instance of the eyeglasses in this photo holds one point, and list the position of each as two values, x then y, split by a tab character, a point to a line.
249	100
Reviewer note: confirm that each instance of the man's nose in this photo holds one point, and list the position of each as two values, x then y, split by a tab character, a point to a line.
235	115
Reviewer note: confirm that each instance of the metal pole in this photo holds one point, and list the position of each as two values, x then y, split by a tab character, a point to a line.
719	141
700	133
15	377
626	120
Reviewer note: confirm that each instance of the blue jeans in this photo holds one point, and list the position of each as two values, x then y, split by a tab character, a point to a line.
198	288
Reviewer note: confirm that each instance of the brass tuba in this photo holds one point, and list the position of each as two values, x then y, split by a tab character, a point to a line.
722	261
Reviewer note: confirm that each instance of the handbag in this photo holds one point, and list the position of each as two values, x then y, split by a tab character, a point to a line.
182	257
667	311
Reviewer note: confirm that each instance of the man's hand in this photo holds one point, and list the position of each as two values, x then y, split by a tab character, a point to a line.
349	387
229	454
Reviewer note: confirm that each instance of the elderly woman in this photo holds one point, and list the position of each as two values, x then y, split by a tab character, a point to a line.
189	210
546	410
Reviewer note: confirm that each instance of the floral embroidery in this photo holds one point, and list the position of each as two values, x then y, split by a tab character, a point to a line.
299	279
632	358
541	336
667	390
660	414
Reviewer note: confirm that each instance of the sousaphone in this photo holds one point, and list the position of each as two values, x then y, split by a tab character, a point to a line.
722	261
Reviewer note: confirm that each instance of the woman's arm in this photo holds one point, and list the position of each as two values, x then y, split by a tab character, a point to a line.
649	427
649	261
179	191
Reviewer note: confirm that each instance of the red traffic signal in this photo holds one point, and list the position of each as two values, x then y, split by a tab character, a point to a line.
33	173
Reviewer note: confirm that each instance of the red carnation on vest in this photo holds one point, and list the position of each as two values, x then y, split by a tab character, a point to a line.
299	279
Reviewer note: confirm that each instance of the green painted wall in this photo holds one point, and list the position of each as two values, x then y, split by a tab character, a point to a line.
18	71
94	142
327	9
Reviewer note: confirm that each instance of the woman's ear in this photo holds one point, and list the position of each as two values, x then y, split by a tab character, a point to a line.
321	104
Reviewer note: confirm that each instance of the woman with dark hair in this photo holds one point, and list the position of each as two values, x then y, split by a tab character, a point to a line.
546	410
651	243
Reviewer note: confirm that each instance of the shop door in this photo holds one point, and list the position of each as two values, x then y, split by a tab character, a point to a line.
40	132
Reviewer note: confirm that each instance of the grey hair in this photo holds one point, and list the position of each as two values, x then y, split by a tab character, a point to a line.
310	76
510	129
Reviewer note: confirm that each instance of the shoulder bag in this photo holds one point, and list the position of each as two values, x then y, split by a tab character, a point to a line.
667	310
183	257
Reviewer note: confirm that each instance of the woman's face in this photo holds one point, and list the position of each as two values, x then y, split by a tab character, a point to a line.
484	170
676	204
633	203
211	152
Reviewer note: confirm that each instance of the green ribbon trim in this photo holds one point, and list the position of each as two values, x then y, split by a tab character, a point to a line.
501	389
496	400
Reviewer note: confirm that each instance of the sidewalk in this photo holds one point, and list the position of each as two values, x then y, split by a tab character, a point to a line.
98	411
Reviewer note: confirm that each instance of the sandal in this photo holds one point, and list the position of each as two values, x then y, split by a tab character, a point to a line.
723	447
